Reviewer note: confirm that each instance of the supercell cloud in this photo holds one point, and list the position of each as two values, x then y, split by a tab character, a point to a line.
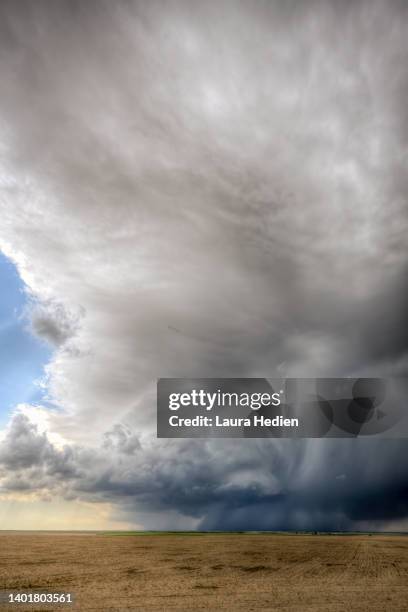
205	189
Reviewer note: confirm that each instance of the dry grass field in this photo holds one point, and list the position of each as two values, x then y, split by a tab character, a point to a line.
210	572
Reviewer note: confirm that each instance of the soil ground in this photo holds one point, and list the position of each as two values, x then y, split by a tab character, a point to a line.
325	573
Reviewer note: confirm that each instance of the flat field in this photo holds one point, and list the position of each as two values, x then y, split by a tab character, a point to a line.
326	573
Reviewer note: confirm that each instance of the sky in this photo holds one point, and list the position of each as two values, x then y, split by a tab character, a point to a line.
23	355
197	190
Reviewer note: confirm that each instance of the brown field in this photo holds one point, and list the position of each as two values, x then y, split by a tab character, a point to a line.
210	572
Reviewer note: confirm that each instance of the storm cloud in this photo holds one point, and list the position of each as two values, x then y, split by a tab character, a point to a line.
206	189
320	484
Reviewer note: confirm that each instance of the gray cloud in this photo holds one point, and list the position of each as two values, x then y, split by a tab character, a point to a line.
220	189
261	484
51	323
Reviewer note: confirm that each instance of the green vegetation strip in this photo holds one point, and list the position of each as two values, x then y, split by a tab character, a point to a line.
282	533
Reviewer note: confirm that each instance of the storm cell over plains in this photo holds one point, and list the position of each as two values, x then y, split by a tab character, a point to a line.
196	189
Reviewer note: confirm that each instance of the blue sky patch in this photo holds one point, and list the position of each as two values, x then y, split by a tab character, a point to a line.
22	356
